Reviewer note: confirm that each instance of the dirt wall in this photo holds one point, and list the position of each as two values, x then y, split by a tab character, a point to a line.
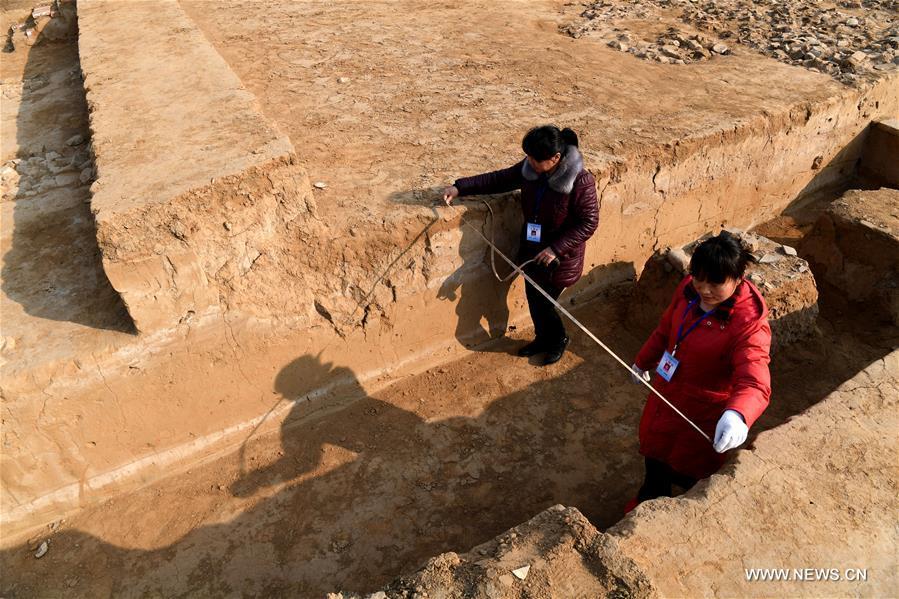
193	183
736	176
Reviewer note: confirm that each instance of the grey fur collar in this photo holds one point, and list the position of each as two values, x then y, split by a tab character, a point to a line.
562	180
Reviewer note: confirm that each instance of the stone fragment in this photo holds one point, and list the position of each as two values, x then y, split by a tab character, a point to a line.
320	185
720	49
42	549
522	572
63	179
789	251
678	258
75	140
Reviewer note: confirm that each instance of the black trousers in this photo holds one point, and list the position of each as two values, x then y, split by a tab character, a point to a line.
658	480
548	327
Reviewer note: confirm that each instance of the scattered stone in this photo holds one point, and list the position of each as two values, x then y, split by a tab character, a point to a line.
784	279
857	58
320	185
63	179
343	80
42	550
228	226
789	251
678	258
804	33
522	572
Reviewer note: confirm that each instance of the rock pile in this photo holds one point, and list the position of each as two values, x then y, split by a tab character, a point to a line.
850	41
23	178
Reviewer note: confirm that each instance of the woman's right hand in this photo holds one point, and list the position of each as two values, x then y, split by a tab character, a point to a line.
644	375
449	194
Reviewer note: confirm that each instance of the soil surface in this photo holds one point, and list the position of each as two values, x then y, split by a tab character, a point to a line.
439	462
349	498
444	99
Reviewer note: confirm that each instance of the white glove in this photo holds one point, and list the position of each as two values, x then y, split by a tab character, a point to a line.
731	431
643	375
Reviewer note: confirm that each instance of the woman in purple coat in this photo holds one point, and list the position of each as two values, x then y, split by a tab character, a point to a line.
558	202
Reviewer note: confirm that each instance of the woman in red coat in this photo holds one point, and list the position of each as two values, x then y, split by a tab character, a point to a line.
710	354
558	202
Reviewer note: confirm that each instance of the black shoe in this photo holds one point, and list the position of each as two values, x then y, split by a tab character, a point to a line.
532	349
555	354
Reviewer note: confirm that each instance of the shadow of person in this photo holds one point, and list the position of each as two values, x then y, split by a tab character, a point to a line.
482	308
366	488
302	380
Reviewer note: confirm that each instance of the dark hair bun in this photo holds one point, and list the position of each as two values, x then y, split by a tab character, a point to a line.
569	136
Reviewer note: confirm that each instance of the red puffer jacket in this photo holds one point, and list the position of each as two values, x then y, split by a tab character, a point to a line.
723	366
567	211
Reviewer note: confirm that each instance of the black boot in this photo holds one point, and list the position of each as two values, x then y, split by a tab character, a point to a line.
556	353
532	349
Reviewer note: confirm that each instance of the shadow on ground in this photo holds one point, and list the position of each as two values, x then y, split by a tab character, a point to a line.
358	489
53	267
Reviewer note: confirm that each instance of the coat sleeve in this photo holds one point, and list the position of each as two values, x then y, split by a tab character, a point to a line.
751	377
501	181
584	217
651	352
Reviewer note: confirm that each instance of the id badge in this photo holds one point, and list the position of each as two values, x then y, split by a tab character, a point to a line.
533	232
667	365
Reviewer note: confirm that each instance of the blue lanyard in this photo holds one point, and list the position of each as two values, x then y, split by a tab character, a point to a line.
540	191
681	335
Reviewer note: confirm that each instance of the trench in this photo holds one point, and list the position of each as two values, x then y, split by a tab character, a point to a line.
351	496
436	462
55	292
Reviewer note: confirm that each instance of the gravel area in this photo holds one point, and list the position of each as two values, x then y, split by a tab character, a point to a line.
851	41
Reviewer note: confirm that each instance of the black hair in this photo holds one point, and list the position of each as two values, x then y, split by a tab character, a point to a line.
719	258
544	142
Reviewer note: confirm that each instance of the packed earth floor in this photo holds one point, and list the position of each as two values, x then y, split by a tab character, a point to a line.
437	462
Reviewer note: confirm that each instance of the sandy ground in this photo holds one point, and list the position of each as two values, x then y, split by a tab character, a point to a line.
442	461
444	98
350	498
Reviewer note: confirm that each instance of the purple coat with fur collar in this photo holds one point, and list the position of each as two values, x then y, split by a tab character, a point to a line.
568	211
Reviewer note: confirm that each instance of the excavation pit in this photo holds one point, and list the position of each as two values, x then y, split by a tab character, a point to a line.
319	393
